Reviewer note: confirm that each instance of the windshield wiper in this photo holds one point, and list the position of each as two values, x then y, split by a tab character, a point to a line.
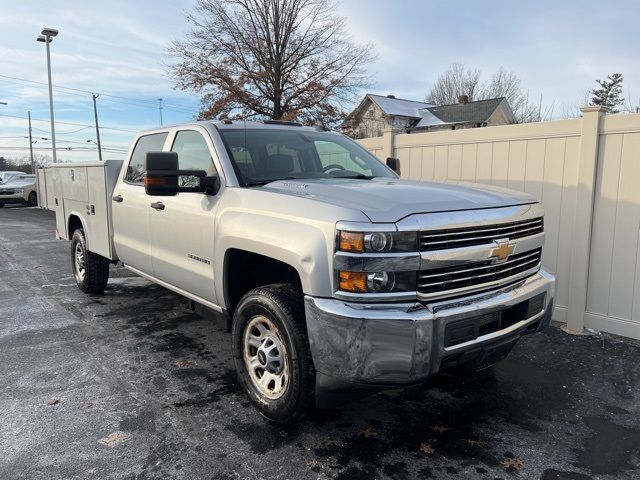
359	176
259	183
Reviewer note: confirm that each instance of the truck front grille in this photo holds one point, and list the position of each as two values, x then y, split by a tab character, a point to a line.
469	275
485	234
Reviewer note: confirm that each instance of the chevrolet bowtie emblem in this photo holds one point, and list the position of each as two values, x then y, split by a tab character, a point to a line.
503	250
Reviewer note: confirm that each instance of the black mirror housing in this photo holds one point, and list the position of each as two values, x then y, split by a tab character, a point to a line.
394	164
160	178
162	175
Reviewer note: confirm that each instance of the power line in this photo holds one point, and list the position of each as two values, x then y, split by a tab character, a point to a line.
69	90
48	149
69	123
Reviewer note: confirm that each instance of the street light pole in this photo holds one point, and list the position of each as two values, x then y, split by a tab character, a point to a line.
33	168
95	114
160	108
46	36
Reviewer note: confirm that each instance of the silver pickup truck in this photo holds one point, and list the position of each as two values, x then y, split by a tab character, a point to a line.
336	278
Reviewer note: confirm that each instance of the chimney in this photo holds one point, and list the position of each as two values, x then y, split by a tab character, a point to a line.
391	96
462	99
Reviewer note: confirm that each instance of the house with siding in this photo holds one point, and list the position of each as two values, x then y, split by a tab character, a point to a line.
377	113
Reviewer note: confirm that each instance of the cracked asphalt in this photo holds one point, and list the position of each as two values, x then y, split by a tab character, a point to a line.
132	384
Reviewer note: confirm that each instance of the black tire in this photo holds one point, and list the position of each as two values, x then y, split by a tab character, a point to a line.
33	200
281	304
93	277
1	205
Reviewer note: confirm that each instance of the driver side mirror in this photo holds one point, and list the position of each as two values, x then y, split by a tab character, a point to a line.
394	164
161	176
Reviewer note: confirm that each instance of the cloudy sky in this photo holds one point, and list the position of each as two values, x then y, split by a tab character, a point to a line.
118	49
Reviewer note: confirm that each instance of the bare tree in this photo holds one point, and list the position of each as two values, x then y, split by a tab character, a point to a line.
278	59
460	80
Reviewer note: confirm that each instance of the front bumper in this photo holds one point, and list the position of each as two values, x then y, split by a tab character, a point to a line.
398	344
12	198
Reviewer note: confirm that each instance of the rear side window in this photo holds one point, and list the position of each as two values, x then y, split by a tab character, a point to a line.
148	143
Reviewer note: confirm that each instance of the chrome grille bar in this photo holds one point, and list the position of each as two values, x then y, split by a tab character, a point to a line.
454	238
455	277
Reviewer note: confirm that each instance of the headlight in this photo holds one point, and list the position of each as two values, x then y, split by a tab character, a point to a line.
377	282
19	191
377	242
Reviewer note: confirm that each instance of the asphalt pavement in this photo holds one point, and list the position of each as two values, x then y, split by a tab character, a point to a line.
132	384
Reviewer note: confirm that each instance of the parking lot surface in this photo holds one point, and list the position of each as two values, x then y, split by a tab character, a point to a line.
132	384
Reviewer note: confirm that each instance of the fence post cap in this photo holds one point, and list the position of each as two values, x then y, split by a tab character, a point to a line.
593	108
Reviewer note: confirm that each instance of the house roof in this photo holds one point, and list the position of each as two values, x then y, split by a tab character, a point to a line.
399	106
428	119
470	112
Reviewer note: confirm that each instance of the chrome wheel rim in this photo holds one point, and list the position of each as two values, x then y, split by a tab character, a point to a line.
265	357
79	262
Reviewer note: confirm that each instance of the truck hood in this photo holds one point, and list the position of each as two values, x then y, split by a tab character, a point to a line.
390	199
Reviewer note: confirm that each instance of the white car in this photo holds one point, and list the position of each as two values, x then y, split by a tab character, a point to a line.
5	177
19	188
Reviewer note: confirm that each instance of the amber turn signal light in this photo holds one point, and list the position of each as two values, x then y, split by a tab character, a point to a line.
353	282
351	242
156	181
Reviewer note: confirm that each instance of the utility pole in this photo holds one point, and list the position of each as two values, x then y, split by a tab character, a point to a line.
46	36
160	108
33	166
95	114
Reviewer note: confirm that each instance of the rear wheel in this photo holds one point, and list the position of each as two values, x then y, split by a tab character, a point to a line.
33	199
90	270
272	354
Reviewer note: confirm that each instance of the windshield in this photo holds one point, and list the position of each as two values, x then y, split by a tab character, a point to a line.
6	176
262	155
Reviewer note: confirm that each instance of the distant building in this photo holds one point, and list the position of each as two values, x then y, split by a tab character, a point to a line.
376	113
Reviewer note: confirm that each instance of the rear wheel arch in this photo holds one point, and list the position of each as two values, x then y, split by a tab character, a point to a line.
76	222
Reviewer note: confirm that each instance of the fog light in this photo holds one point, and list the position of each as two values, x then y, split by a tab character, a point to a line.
353	281
380	282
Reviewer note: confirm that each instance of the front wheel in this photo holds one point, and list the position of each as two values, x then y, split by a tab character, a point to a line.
90	270
33	199
272	354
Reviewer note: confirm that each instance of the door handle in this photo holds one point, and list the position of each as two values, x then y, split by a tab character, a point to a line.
118	198
157	205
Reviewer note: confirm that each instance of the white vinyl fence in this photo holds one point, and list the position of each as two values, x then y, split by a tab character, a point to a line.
586	172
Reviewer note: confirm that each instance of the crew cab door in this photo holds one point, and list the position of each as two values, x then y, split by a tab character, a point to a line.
182	226
130	207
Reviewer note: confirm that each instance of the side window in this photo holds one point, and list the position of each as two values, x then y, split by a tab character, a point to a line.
148	143
193	154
